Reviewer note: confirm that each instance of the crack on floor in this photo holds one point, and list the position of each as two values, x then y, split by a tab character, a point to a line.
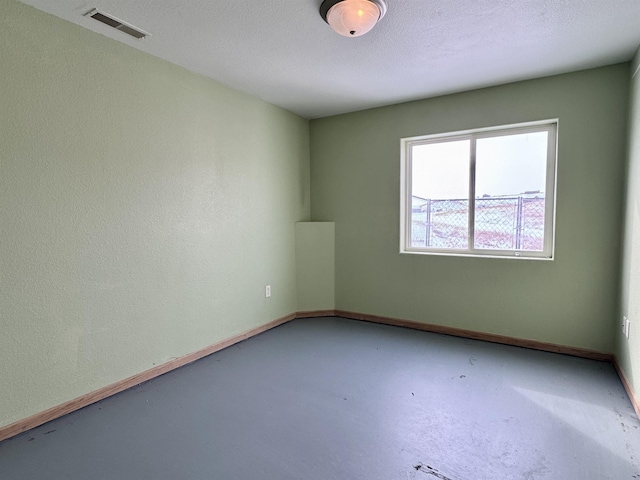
429	470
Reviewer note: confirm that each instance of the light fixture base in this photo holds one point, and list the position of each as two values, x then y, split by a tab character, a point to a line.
327	4
326	14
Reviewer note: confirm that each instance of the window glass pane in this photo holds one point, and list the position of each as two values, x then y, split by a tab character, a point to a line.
440	195
511	176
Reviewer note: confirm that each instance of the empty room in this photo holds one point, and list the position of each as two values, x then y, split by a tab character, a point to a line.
307	239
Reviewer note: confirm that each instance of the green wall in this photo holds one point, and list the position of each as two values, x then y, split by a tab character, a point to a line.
628	350
572	300
143	210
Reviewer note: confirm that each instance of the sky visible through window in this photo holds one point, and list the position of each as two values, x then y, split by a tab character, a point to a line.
505	165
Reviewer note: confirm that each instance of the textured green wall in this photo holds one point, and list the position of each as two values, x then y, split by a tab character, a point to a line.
143	210
315	266
572	300
628	350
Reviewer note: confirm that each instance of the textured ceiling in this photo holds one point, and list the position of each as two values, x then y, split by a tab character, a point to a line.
283	52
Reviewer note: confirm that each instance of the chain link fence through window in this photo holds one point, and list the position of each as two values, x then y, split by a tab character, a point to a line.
501	223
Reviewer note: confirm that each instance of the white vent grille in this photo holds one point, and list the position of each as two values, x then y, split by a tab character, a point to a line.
116	23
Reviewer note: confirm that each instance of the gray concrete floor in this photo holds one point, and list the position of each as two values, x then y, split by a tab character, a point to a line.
331	398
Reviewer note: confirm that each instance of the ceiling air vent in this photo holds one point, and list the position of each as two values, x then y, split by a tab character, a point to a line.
116	23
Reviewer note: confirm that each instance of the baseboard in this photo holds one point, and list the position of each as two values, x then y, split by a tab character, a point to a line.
316	313
487	337
635	401
513	341
58	411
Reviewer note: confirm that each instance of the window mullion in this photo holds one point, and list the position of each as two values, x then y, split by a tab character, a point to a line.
472	192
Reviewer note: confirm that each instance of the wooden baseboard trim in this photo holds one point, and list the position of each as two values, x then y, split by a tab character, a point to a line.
635	400
316	313
486	337
58	411
513	341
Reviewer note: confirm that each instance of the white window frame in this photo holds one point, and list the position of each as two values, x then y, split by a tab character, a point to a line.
550	126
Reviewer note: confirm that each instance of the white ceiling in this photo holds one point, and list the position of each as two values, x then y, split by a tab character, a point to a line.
283	52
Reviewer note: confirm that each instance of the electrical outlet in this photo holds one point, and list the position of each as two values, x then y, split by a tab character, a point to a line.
267	291
626	326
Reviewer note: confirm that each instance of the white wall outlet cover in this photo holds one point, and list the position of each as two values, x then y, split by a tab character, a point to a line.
625	326
628	327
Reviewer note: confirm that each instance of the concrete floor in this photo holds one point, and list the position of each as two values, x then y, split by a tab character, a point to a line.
329	398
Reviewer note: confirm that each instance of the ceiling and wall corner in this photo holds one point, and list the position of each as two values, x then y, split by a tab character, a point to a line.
283	52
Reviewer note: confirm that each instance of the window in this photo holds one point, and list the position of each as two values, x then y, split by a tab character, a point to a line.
486	192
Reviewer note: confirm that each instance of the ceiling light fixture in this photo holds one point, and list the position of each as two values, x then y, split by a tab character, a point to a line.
352	18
